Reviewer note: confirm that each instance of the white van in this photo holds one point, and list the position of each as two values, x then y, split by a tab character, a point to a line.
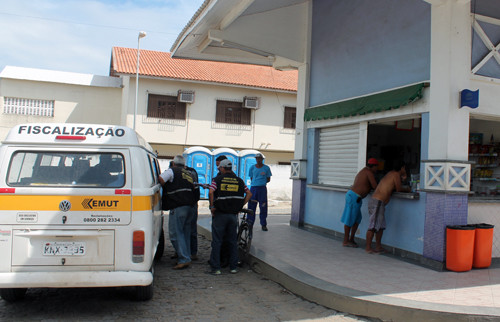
79	207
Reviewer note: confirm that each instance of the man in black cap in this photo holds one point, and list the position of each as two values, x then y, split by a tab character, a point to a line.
224	249
260	175
179	198
228	194
218	161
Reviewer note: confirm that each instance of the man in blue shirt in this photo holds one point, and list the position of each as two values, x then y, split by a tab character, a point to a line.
260	174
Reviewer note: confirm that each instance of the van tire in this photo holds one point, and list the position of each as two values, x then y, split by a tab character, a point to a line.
144	293
13	294
160	249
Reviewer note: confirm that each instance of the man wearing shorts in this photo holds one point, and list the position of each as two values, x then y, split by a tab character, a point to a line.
364	182
376	206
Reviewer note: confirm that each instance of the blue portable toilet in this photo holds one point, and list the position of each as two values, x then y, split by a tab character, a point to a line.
247	159
230	154
200	158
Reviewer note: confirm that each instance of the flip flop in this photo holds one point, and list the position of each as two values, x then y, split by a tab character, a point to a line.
350	245
381	251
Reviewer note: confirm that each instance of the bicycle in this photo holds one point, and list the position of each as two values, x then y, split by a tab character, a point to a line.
244	237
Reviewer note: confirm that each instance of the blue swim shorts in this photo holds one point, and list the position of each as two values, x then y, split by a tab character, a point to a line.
352	209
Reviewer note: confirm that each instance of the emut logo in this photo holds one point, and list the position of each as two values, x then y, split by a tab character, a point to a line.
91	203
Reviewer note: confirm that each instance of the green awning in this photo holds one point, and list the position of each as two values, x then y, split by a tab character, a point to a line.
367	104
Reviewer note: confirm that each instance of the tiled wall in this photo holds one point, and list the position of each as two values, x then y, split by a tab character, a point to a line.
442	210
488	213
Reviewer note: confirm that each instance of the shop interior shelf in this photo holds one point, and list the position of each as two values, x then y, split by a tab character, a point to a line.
486	179
483	154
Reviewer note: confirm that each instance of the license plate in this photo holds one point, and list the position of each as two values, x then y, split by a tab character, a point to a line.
63	249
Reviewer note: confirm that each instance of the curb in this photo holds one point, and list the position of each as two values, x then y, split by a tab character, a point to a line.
353	301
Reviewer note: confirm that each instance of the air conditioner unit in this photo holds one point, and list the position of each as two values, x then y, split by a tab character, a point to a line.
185	96
251	102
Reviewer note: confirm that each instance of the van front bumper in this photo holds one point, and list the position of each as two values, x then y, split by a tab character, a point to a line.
74	279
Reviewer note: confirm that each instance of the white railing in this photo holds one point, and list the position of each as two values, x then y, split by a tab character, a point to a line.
298	169
447	176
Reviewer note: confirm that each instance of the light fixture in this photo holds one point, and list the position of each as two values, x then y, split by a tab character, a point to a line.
230	44
142	34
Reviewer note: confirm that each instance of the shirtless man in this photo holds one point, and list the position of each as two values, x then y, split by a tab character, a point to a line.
376	206
351	217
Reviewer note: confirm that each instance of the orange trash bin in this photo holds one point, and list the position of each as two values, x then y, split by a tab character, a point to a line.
460	247
483	244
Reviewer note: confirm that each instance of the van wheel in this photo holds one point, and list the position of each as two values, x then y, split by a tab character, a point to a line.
13	294
161	246
144	293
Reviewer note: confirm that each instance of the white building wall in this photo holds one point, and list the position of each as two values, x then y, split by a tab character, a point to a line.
279	189
200	129
486	213
113	103
450	73
72	102
488	97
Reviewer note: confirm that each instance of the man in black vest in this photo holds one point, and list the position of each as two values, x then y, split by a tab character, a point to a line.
228	194
179	198
194	222
224	248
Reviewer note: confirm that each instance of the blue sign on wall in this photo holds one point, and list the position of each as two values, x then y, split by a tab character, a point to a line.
469	98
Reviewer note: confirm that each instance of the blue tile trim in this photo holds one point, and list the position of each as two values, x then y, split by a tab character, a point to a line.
442	210
298	202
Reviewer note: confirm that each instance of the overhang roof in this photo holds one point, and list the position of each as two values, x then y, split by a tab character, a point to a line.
54	76
264	32
161	64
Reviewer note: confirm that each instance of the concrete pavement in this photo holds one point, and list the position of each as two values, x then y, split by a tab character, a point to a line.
382	286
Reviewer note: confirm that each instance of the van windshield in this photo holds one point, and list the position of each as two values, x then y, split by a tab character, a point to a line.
64	169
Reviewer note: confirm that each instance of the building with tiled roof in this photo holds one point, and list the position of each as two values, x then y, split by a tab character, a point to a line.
161	64
240	106
181	103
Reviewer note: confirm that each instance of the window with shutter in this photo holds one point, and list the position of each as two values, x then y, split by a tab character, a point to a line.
290	115
232	113
166	107
338	155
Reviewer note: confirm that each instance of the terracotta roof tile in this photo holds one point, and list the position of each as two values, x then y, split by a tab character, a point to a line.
161	64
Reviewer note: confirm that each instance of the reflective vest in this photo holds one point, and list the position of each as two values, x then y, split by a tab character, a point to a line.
179	192
230	193
194	174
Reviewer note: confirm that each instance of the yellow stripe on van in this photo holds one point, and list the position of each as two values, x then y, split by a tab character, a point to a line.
78	203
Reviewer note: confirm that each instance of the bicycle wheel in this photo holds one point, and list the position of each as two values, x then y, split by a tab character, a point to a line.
244	240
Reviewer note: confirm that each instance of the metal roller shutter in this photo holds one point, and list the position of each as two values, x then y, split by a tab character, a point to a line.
338	155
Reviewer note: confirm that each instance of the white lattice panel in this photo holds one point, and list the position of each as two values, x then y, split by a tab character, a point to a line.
298	169
447	176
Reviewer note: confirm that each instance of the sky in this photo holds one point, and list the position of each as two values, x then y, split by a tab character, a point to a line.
78	35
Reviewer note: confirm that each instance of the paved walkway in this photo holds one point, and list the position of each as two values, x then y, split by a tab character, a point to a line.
350	280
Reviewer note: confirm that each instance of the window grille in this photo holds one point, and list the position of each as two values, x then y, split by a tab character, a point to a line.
26	106
232	113
290	116
166	107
